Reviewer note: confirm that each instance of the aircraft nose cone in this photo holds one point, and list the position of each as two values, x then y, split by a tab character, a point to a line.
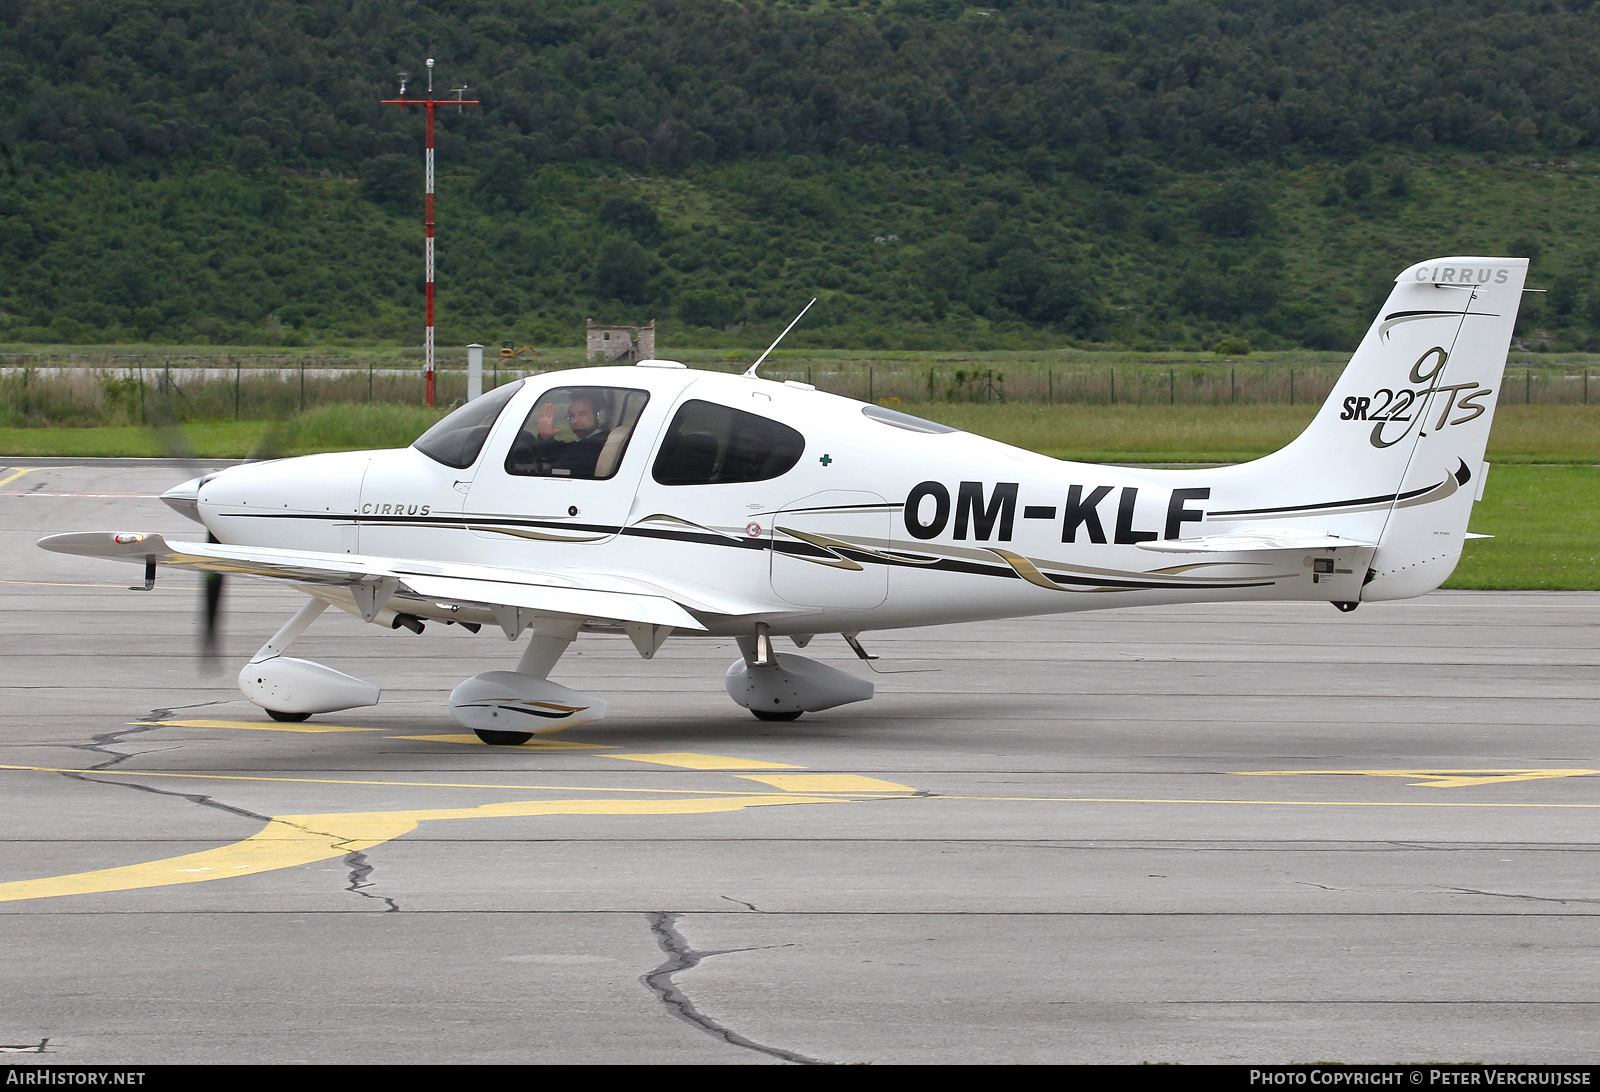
185	498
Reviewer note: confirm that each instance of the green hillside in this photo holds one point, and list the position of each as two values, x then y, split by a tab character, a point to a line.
1018	175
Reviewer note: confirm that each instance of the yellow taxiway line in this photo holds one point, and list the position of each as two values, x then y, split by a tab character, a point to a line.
290	840
399	784
25	470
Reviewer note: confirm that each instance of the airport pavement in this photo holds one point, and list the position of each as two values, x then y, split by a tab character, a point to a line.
1249	833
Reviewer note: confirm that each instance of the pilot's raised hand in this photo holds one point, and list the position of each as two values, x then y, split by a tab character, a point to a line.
547	420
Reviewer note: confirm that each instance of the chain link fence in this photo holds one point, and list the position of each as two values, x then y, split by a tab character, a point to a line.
38	391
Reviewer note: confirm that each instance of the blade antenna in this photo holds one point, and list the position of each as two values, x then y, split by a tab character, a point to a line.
751	373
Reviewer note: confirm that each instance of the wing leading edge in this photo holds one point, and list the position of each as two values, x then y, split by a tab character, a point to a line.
373	580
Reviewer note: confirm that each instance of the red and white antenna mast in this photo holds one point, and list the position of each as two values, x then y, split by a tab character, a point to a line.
428	104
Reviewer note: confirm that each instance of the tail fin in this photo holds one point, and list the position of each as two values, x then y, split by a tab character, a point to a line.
1395	455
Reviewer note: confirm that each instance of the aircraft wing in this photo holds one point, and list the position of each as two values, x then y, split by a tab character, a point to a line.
1253	540
598	596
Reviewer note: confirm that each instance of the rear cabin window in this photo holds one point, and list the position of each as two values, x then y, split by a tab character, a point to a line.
576	432
708	444
457	440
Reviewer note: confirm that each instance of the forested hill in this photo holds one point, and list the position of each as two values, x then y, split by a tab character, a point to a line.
1155	173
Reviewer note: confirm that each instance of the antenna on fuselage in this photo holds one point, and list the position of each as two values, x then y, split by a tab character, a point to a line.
751	373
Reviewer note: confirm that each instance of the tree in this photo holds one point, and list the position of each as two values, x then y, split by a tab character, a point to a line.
391	179
634	217
707	308
622	271
1237	209
505	180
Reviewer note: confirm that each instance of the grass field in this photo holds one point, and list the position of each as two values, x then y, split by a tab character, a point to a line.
1546	526
1522	434
1088	433
325	428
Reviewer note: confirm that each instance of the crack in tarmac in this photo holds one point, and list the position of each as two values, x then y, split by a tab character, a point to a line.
681	957
360	869
1515	895
102	743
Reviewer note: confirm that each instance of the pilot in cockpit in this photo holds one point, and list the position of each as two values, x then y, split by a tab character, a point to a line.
575	458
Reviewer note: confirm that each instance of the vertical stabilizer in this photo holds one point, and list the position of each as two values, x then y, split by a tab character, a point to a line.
1452	385
1395	455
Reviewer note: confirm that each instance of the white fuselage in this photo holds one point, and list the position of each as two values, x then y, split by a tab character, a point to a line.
878	524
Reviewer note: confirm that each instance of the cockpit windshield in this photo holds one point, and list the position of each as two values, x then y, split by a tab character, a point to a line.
457	440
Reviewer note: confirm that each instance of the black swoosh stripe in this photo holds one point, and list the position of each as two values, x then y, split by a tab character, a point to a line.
797	549
1379	499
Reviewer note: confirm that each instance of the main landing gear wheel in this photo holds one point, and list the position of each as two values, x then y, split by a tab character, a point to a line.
767	714
288	718
502	739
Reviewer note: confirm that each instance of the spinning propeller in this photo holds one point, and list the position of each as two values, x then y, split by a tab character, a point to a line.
272	445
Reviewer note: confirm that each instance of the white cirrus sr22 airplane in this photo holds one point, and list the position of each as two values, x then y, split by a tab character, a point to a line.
664	502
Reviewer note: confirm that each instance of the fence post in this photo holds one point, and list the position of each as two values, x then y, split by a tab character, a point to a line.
369	381
1233	389
1113	386
237	365
141	391
869	384
1172	387
302	384
1527	387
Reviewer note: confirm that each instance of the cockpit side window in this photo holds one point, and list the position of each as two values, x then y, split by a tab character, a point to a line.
457	440
708	444
576	432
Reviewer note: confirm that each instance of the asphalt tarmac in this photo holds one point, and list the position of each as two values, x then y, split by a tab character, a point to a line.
1245	834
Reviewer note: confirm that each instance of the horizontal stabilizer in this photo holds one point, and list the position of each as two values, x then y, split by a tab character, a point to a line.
1254	540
